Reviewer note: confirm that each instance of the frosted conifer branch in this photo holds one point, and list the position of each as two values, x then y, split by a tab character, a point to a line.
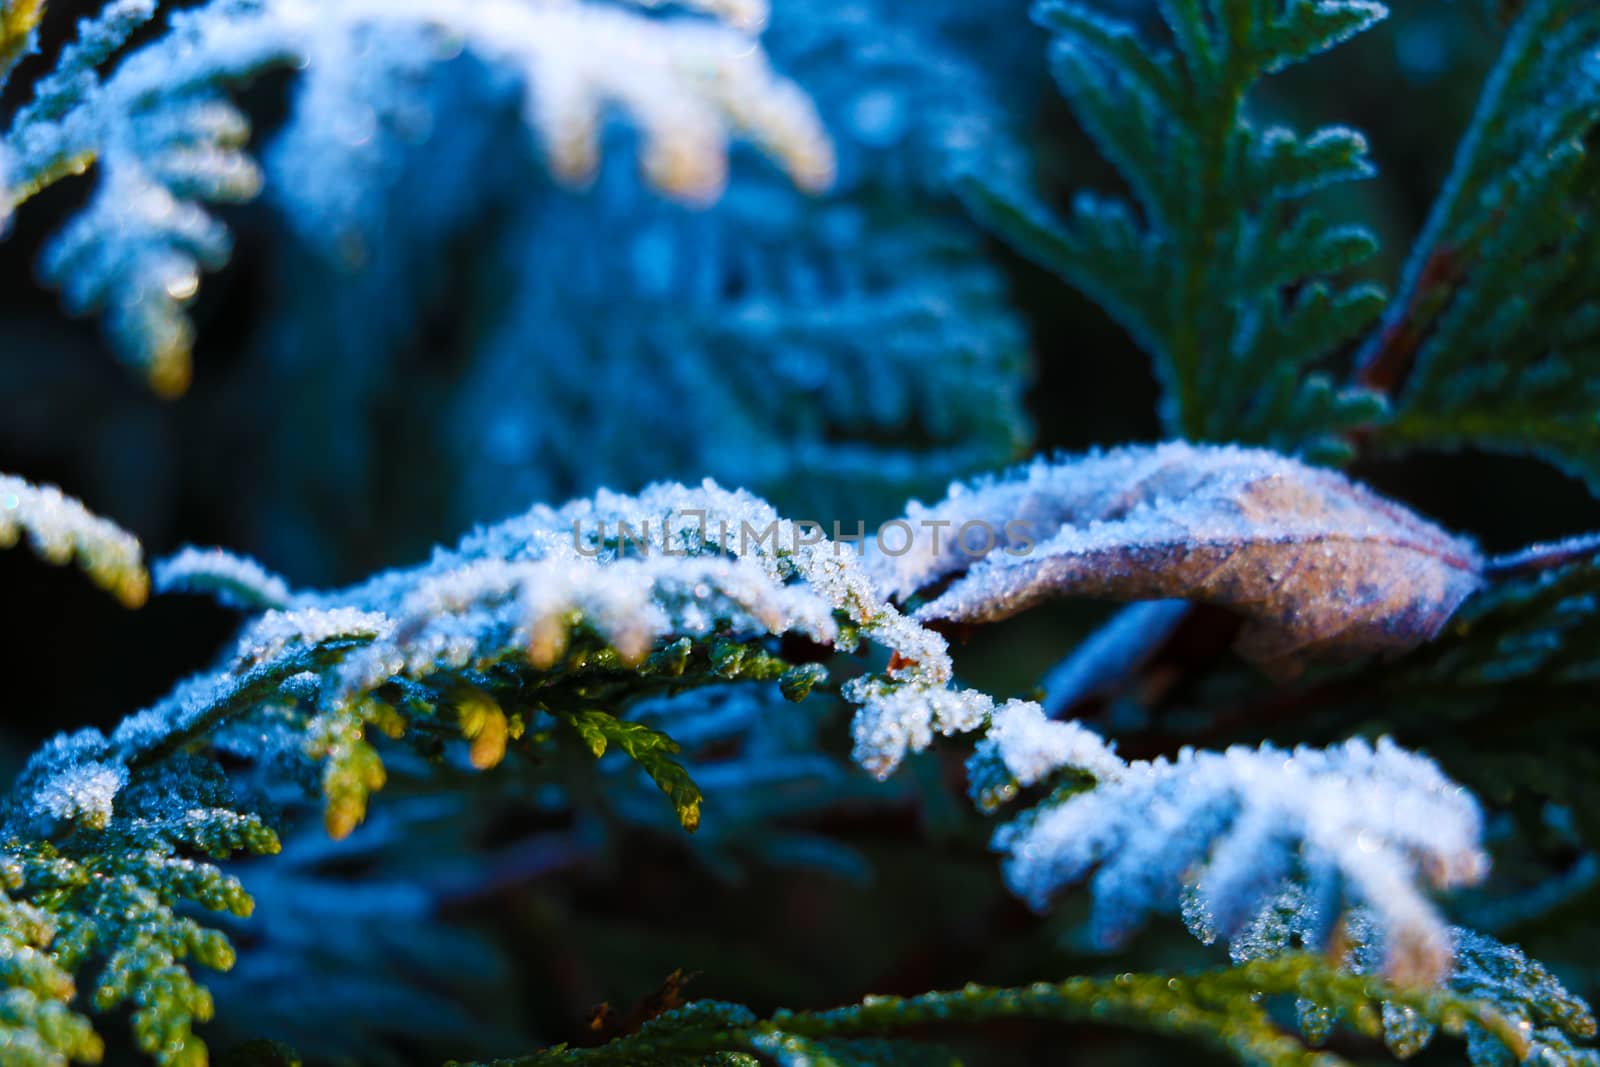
1526	999
571	613
235	581
575	614
1360	824
674	584
166	140
60	528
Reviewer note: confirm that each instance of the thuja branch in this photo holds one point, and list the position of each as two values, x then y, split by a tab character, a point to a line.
1222	1008
1438	265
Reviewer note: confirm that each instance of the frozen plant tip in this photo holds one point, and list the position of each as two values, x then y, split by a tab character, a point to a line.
1505	1002
234	581
59	529
1358	824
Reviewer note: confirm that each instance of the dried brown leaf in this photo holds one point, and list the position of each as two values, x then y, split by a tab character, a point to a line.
1317	565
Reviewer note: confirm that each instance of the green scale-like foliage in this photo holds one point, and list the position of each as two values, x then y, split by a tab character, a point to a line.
527	645
105	901
1219	267
1214	262
534	649
1228	1010
1498	309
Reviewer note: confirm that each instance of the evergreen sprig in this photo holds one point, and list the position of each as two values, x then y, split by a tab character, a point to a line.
532	638
1214	262
1493	341
156	121
544	634
60	529
1228	1010
1219	270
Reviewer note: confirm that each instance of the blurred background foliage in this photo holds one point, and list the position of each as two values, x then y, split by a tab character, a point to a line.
400	350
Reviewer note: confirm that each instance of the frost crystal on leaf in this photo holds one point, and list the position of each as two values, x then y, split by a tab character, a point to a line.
69	779
1318	565
83	793
896	719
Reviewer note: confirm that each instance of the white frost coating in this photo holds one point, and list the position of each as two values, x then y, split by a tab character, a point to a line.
1370	821
688	84
636	571
83	793
278	631
71	778
672	560
1032	747
895	720
1022	507
453	619
1318	566
59	528
1137	495
899	712
235	581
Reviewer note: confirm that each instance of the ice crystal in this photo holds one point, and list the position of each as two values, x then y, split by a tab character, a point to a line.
1032	747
